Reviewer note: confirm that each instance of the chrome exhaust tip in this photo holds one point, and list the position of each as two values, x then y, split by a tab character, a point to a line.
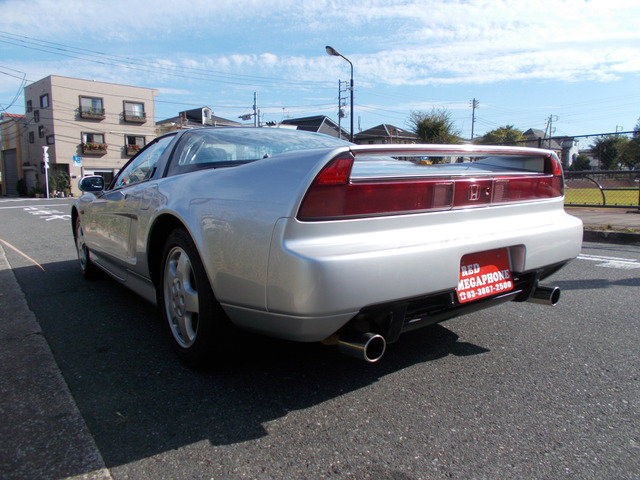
545	295
369	347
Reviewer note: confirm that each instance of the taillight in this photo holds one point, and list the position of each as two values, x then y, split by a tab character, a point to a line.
556	167
333	195
337	172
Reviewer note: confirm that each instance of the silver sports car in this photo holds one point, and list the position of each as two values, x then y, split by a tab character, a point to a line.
309	238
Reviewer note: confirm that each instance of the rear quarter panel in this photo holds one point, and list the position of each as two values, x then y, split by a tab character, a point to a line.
231	213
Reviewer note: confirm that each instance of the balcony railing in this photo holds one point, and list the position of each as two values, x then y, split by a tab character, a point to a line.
93	148
92	113
135	117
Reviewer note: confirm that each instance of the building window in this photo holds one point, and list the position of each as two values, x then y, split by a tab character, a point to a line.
50	140
41	131
93	143
134	112
93	137
92	107
44	101
36	116
133	143
29	106
32	137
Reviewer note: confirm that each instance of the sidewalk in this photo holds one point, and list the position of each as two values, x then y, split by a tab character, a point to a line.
609	225
43	434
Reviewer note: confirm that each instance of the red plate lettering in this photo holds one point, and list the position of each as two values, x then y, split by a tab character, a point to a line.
484	274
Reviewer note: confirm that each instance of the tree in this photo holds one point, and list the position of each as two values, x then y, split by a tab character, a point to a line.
581	163
507	135
630	155
59	181
434	127
608	150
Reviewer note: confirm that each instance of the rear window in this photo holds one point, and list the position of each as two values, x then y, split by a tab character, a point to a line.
224	147
368	166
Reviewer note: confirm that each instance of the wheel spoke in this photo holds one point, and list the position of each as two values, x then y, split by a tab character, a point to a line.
181	297
80	245
183	269
191	301
186	328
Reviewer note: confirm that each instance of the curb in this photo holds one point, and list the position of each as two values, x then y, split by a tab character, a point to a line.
609	236
44	434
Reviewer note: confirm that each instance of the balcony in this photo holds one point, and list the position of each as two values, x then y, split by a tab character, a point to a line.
93	148
92	113
135	117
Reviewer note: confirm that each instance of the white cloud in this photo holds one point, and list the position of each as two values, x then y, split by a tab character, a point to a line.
231	48
390	41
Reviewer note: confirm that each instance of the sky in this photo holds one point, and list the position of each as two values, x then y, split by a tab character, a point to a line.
575	63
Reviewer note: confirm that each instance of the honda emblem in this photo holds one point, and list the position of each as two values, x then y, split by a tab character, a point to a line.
474	192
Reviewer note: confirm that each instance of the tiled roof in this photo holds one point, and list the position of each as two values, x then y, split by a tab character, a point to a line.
387	131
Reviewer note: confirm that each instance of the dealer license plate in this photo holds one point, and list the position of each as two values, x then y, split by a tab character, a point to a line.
484	274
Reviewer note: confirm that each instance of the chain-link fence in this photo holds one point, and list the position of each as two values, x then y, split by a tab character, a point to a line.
600	170
603	188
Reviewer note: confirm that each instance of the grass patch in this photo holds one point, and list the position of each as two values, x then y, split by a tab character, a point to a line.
592	196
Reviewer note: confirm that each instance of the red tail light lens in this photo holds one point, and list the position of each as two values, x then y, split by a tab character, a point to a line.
337	172
333	195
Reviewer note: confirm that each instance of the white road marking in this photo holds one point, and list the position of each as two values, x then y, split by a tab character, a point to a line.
32	206
611	262
47	214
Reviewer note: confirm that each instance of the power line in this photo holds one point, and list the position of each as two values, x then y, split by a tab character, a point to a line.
102	58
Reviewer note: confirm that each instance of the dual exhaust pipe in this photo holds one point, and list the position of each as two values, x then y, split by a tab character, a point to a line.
370	347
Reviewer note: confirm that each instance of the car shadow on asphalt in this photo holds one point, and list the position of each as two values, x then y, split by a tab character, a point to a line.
597	283
138	400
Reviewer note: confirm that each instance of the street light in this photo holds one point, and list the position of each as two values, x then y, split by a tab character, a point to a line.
334	53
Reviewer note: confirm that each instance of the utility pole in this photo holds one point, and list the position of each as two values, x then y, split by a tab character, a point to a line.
256	112
474	104
256	120
341	104
550	129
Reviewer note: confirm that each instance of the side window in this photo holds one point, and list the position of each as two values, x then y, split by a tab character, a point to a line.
141	167
199	150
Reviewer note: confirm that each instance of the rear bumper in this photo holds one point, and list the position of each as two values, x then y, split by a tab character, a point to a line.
329	268
325	276
388	319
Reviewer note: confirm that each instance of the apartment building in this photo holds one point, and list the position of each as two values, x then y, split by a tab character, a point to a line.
90	128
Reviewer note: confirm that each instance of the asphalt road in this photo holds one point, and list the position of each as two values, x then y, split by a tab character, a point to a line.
521	391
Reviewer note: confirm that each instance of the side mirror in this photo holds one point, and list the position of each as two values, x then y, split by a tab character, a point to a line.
94	183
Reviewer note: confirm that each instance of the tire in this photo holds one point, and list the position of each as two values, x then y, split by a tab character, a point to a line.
87	268
198	327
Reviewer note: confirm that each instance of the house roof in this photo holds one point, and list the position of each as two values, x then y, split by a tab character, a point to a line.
194	117
11	115
318	124
538	136
386	131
